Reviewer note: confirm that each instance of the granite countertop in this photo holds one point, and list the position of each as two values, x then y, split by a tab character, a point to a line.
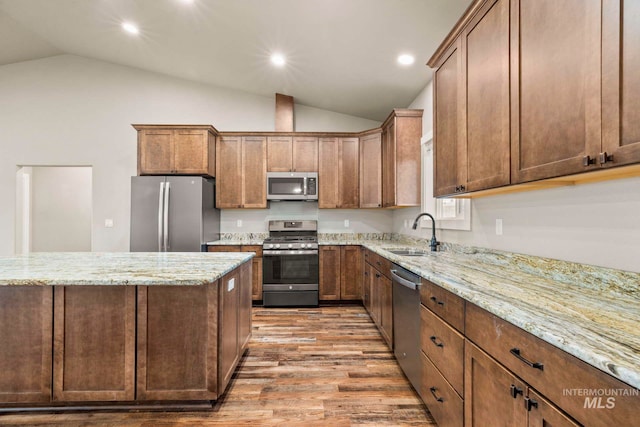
590	312
118	268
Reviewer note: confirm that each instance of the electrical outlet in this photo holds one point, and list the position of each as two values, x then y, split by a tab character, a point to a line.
346	223
498	227
108	223
239	223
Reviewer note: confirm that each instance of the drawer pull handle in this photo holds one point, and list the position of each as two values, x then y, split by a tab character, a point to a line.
535	365
436	343
515	391
433	392
435	300
530	403
378	275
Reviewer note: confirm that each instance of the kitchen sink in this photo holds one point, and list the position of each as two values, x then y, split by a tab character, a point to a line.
408	252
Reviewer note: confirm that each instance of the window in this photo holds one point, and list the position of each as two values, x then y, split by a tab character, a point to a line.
452	214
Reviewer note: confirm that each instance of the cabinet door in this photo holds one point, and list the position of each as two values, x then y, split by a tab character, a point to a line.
254	172
224	248
544	414
155	152
229	172
279	154
555	90
228	344
489	391
305	154
177	342
328	171
485	155
375	277
371	171
350	273
191	151
329	272
244	308
367	290
621	82
448	124
348	176
94	343
389	165
256	292
26	334
386	309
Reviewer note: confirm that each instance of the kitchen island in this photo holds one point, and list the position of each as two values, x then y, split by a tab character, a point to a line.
89	329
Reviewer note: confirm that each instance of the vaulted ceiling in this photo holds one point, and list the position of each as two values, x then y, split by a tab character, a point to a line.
341	54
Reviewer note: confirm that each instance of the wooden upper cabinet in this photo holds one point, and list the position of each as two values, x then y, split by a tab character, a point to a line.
292	154
241	165
448	98
229	167
338	173
555	87
371	170
305	154
401	158
172	149
254	172
484	158
279	154
620	83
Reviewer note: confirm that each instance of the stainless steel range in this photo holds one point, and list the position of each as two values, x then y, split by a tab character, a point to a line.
290	264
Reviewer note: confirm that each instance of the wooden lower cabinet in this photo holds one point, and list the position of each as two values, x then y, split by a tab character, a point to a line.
340	272
177	354
94	343
380	293
496	397
443	402
26	337
386	308
244	305
256	292
228	337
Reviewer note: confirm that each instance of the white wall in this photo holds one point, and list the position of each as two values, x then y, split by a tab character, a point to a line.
592	223
70	110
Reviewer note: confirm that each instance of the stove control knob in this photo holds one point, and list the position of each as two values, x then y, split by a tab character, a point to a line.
277	245
302	245
289	245
269	246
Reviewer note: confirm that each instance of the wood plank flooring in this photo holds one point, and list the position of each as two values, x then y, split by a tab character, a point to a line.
316	366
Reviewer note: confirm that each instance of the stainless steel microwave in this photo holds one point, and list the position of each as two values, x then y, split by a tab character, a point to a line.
292	186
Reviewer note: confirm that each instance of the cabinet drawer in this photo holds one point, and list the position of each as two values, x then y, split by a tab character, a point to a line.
443	402
224	248
444	346
442	302
382	264
562	378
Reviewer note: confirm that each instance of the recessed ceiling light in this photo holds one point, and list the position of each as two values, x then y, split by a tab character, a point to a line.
278	60
130	28
406	59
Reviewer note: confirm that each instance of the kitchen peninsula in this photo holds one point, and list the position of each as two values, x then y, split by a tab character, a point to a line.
89	329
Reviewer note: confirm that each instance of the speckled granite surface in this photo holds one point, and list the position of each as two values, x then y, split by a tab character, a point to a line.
590	312
117	268
240	239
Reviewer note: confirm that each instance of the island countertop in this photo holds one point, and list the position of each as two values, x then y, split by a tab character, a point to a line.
118	268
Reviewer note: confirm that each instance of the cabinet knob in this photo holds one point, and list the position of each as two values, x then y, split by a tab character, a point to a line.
530	403
462	188
604	158
515	391
587	160
457	188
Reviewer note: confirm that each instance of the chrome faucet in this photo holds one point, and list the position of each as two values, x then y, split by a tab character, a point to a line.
433	243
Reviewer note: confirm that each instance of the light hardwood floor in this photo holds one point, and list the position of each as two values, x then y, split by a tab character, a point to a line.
322	366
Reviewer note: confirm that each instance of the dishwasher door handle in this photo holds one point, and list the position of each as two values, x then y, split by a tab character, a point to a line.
408	283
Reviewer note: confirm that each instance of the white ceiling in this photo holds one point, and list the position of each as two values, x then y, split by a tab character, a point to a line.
341	53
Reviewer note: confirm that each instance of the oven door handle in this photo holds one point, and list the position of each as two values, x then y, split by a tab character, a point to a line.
288	253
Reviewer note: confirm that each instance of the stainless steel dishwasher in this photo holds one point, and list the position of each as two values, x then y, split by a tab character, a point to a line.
406	323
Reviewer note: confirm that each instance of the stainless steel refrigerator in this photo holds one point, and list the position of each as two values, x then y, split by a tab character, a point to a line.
172	213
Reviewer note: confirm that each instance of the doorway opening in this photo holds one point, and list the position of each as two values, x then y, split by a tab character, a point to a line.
53	209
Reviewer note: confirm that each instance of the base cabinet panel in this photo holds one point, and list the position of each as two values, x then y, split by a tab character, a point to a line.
26	337
94	343
177	359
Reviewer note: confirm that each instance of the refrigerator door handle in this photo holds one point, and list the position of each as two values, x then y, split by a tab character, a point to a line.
160	217
167	192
